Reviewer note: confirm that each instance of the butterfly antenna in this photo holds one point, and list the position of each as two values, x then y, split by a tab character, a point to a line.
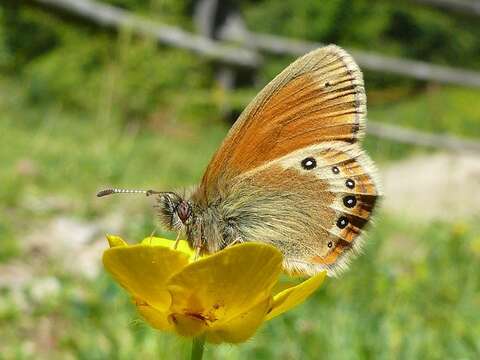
125	191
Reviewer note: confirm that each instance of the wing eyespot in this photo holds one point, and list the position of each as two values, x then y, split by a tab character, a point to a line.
342	222
349	201
335	170
309	163
350	183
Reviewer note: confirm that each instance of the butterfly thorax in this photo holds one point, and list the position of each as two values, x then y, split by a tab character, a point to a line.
205	225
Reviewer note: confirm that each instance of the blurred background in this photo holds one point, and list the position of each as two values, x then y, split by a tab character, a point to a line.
139	93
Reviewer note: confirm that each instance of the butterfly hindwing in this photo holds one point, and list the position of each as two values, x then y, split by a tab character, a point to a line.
312	204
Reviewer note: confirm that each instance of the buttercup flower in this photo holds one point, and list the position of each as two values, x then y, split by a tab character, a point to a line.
224	297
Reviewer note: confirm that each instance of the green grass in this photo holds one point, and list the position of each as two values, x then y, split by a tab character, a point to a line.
415	293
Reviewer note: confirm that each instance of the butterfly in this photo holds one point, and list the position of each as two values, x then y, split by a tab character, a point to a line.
290	172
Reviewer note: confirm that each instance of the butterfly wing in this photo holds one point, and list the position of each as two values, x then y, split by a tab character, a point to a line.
285	170
319	97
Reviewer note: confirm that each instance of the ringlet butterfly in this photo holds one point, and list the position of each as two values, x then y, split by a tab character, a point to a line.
290	172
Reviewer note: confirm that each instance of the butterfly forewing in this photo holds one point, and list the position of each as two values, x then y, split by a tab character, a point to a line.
319	97
291	171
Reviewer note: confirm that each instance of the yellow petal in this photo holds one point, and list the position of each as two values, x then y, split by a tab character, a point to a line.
157	319
182	244
153	240
284	282
241	327
114	241
293	296
144	270
227	284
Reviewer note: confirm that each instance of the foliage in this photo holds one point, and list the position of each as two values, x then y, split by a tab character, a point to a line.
72	65
39	46
385	26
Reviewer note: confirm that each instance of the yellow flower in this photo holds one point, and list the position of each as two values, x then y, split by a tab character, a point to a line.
225	296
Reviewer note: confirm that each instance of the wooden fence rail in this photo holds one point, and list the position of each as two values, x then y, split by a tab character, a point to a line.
420	138
116	18
410	68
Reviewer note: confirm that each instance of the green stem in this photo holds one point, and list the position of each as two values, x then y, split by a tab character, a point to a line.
198	345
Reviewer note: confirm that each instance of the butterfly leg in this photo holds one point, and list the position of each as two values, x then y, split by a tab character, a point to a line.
197	253
234	242
152	234
177	240
197	245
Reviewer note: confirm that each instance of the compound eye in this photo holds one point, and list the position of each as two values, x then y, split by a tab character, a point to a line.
184	211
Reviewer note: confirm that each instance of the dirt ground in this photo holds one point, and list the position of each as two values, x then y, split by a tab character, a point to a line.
434	186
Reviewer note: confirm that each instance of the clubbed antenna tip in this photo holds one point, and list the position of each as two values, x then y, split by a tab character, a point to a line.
105	192
122	191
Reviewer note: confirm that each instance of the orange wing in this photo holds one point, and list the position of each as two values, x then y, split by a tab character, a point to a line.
318	98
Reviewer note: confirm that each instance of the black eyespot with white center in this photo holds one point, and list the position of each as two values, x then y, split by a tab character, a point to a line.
309	163
330	244
335	170
350	183
349	201
342	222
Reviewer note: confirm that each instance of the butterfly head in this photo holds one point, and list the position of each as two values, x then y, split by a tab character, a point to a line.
175	212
